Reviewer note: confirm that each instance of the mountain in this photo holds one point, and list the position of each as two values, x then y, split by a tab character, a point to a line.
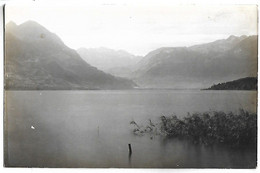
218	45
116	62
249	83
35	58
198	66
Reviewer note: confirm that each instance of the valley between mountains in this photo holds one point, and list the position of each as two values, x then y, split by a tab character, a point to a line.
37	59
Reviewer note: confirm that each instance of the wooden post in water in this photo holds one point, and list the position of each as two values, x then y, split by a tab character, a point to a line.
129	155
130	149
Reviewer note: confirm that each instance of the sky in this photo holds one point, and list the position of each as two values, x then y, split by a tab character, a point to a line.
137	28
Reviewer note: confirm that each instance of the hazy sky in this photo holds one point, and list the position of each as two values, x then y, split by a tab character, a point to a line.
138	29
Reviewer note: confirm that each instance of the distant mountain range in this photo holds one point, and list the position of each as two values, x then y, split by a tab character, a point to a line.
115	62
249	83
38	59
198	66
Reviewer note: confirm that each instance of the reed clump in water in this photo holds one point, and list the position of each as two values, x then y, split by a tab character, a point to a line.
207	128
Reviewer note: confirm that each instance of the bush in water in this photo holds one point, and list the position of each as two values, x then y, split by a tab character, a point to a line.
208	128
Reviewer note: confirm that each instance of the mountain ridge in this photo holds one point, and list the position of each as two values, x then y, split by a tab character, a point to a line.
198	66
38	59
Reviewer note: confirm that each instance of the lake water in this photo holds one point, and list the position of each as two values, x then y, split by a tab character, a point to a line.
92	128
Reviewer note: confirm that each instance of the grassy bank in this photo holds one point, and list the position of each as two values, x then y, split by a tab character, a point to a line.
207	128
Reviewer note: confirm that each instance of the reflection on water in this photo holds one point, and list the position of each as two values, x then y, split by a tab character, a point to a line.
213	156
91	129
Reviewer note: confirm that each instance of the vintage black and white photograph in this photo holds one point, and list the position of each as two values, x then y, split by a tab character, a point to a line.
128	85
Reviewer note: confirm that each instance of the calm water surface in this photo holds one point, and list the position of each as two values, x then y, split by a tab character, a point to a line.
91	128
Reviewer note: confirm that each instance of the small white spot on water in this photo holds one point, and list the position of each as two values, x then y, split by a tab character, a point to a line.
32	127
